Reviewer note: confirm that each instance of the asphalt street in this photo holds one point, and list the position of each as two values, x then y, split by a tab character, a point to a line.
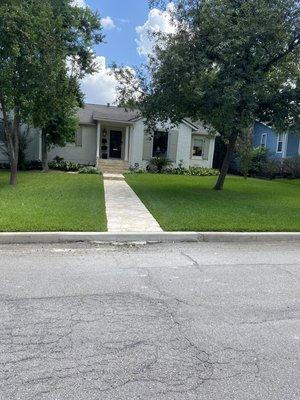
191	321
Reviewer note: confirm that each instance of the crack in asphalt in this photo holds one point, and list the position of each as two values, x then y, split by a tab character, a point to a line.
105	344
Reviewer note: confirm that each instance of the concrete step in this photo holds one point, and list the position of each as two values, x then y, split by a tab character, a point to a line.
113	166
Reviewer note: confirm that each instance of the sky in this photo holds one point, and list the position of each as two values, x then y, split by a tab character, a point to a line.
126	24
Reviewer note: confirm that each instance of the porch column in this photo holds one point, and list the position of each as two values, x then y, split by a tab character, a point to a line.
98	141
126	143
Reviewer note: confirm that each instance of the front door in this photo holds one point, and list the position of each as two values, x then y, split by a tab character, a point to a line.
115	144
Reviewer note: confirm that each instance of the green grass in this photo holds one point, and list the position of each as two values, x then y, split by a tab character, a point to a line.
52	202
188	203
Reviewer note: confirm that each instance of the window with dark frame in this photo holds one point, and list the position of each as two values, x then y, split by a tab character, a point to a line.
160	144
198	146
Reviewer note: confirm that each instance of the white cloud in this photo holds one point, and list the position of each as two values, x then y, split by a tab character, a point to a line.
158	21
79	3
108	23
100	88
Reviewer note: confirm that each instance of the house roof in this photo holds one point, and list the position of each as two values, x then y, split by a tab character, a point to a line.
95	112
92	112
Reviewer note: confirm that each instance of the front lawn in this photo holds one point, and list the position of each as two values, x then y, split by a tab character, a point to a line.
52	202
188	203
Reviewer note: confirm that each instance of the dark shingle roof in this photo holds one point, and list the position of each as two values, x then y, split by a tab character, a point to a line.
92	112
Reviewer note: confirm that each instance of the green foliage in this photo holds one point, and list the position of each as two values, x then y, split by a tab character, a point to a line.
158	163
33	165
229	63
89	170
67	166
291	167
244	150
264	166
193	171
258	161
45	51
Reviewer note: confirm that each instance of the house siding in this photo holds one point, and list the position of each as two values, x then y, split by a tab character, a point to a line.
140	148
290	142
292	147
85	154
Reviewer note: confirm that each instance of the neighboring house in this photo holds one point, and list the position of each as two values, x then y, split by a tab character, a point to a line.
279	145
113	136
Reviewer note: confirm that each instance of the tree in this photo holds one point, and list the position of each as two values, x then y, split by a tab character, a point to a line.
228	63
68	58
22	27
39	41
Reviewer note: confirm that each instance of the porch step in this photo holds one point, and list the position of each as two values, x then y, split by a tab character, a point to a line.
113	166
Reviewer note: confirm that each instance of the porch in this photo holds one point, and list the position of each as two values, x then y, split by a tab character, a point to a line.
113	140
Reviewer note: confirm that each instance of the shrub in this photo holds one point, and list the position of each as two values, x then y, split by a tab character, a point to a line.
89	170
58	163
192	171
259	160
272	169
158	163
32	165
291	167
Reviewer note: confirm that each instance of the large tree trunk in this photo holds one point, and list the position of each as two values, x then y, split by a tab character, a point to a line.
230	148
13	172
12	132
14	144
44	151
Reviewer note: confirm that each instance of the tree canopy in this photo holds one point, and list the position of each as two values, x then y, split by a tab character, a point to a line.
45	50
229	63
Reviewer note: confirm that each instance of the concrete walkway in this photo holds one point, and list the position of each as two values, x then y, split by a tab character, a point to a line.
125	211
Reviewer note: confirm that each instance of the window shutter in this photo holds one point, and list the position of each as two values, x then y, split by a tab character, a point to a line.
205	149
147	146
78	137
172	146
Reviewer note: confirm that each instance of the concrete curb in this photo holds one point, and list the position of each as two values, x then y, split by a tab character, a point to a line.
149	237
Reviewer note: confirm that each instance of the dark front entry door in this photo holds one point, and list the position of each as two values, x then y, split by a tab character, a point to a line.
115	144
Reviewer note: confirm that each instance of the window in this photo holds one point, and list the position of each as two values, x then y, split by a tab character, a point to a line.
198	147
280	139
160	144
78	138
263	141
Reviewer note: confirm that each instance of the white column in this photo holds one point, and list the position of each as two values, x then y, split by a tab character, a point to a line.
126	143
98	141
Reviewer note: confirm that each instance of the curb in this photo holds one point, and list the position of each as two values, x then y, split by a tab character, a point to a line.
149	237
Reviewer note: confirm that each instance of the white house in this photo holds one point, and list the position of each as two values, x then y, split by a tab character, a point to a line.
114	139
